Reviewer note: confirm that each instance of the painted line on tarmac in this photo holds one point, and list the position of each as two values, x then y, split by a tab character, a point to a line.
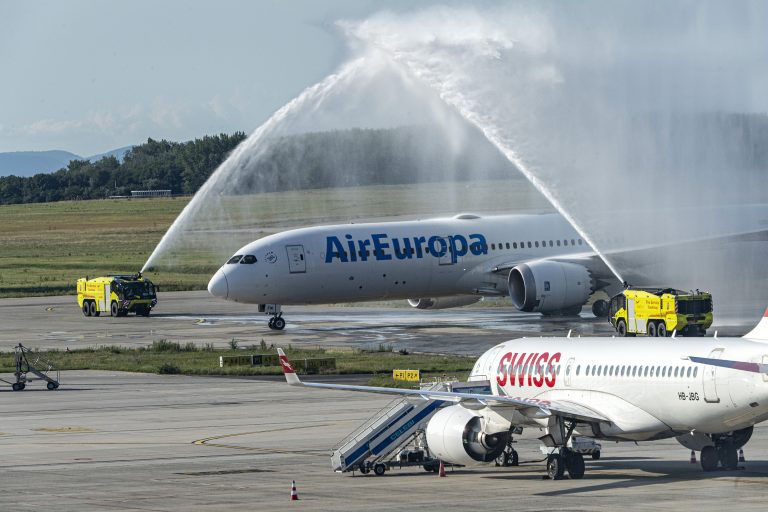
208	441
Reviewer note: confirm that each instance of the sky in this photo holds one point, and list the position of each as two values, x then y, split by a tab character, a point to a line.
89	76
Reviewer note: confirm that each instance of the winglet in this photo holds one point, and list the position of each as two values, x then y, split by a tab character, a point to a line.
288	371
760	332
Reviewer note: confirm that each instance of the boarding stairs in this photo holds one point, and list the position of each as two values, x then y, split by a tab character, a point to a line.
395	426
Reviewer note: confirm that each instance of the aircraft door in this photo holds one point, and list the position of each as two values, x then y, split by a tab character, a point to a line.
447	258
709	374
568	370
296	262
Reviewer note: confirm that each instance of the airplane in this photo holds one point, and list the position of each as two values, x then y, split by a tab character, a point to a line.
540	261
708	393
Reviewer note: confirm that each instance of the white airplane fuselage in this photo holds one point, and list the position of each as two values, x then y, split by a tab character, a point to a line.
391	260
646	387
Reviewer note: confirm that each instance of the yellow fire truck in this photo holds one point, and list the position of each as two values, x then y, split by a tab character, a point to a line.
660	311
117	294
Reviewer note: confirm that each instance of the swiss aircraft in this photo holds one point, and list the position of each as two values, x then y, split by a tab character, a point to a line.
707	393
540	261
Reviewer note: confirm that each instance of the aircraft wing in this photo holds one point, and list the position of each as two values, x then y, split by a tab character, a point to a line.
529	407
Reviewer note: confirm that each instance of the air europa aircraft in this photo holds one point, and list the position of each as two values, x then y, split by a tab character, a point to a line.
708	393
538	260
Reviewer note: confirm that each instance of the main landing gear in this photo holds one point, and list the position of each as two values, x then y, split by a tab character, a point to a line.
725	453
562	459
277	322
508	457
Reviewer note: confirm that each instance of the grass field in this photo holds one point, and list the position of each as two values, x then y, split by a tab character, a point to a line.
46	247
169	357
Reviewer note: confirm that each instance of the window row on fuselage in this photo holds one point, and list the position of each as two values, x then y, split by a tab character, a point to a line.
631	371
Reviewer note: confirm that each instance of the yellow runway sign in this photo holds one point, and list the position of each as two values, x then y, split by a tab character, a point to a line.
407	375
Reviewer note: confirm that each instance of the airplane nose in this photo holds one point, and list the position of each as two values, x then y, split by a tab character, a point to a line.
218	286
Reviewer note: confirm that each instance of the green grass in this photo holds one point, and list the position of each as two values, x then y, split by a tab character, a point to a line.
168	357
46	247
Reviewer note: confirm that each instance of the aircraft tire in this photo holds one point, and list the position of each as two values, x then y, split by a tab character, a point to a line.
279	324
574	463
555	467
708	458
596	455
729	457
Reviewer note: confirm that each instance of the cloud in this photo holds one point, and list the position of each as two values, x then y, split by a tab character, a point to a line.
51	126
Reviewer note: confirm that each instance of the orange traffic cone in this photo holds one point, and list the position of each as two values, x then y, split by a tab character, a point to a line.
741	455
693	457
442	469
294	494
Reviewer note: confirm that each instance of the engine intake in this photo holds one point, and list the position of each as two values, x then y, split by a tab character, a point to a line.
549	286
444	302
458	436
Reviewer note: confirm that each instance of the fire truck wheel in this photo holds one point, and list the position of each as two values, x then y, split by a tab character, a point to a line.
86	309
651	329
92	308
114	310
621	328
661	332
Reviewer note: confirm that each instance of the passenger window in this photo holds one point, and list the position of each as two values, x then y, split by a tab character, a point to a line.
688	372
565	242
248	259
514	245
234	259
578	369
695	371
586	372
663	372
529	245
573	241
507	245
493	247
598	371
579	241
536	243
551	244
652	372
634	371
558	243
677	370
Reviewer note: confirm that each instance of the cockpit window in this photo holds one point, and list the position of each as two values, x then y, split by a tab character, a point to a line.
234	259
248	259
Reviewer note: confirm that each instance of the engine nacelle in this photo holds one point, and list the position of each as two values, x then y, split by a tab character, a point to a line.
458	436
444	302
549	286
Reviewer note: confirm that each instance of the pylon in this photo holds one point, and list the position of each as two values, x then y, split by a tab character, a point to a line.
442	469
741	455
693	457
294	494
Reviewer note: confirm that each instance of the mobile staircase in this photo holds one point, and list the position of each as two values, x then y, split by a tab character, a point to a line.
28	362
400	424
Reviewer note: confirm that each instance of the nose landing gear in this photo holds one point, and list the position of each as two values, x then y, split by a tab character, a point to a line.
277	322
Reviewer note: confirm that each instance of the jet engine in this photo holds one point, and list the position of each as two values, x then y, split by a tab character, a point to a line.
457	435
444	302
549	286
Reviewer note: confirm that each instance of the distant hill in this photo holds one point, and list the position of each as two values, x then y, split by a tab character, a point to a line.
29	163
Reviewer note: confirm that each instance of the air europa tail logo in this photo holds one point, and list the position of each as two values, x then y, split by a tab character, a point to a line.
383	248
528	369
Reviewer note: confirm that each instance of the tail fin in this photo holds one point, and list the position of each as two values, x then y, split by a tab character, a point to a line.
288	371
760	332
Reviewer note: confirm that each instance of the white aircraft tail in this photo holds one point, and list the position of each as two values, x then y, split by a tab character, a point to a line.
288	370
760	332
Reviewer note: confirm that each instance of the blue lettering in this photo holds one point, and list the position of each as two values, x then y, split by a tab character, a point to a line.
363	244
407	249
351	245
478	245
459	247
334	249
417	242
433	246
379	246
